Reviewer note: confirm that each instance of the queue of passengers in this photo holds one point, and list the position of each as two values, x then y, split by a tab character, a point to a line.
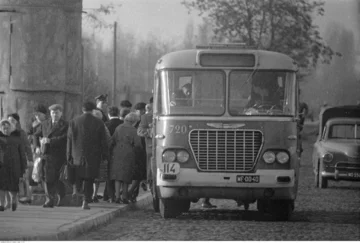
104	144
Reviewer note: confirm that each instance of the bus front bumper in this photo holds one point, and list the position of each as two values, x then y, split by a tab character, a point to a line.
264	184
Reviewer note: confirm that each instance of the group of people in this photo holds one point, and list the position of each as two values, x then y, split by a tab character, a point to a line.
104	144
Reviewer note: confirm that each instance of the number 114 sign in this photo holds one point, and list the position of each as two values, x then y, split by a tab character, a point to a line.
170	168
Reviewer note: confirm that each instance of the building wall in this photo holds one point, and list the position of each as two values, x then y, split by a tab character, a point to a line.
40	56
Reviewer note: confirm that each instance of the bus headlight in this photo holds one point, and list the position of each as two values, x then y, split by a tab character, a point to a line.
282	157
182	156
269	157
169	156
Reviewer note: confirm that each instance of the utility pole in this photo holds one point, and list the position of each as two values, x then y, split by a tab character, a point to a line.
149	77
115	68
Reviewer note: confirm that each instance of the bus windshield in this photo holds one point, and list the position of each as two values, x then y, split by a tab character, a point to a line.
250	93
264	93
193	92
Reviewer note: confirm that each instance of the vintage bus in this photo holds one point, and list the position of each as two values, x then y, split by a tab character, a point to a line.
225	126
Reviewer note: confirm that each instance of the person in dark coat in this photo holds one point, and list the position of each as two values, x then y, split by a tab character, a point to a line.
145	131
87	146
140	165
14	119
40	115
52	138
123	152
112	124
13	163
101	105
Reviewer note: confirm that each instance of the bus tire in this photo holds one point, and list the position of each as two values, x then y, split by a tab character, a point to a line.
169	208
185	205
281	209
155	196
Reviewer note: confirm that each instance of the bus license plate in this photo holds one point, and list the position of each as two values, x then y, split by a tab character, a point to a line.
248	179
170	168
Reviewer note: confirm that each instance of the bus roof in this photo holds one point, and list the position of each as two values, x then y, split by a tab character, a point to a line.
189	59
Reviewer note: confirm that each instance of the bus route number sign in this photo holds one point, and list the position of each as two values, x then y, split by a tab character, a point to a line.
170	168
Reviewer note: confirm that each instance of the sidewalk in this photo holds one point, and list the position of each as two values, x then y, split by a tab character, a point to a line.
60	223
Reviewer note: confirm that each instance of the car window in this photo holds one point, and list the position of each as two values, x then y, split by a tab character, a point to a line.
344	131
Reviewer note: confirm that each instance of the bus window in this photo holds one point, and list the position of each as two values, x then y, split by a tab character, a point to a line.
194	92
261	93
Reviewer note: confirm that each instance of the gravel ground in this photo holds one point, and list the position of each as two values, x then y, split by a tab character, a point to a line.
320	214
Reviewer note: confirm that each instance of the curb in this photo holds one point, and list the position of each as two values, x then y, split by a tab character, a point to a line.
72	230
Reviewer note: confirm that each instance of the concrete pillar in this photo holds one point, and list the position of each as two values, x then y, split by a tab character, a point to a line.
40	56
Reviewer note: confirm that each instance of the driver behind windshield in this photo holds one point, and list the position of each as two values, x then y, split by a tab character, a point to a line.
182	97
265	92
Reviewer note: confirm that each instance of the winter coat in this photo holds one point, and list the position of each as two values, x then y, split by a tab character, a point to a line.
55	152
14	161
123	144
145	130
112	124
87	145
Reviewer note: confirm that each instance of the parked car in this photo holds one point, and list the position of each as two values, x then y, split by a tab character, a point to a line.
336	153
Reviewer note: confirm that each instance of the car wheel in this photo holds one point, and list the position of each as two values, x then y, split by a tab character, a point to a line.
317	176
323	182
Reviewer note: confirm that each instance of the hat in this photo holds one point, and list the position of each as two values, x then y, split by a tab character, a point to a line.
40	108
132	117
5	121
125	104
55	107
15	116
101	97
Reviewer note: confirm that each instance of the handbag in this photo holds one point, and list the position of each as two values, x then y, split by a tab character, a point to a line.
67	175
37	172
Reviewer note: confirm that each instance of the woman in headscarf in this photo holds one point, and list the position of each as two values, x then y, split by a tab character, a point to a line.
14	163
14	119
123	154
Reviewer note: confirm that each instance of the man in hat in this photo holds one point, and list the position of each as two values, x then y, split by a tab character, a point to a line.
87	146
101	105
52	140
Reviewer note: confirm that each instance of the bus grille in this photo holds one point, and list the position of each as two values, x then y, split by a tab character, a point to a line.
225	150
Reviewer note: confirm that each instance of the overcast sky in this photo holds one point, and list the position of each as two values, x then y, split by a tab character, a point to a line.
168	18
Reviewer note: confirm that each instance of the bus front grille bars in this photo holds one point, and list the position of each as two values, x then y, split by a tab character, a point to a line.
225	150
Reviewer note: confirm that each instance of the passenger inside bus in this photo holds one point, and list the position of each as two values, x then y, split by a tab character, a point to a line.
267	92
182	97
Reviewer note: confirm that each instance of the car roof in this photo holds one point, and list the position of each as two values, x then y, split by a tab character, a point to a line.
340	112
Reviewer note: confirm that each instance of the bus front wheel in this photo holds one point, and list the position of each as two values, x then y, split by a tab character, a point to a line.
155	196
281	209
170	208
